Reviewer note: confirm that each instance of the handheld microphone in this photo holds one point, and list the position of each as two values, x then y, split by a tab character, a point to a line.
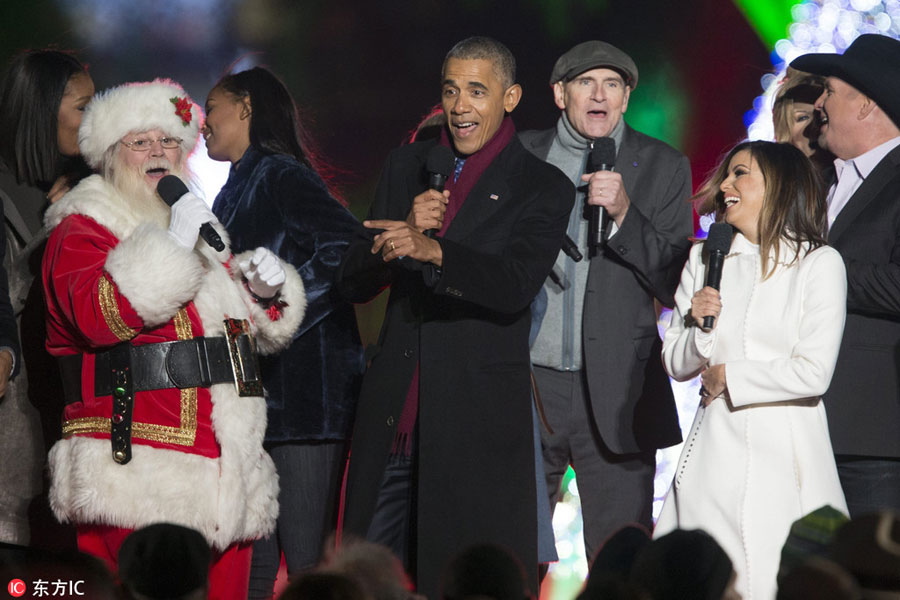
603	158
171	189
718	242
571	249
439	164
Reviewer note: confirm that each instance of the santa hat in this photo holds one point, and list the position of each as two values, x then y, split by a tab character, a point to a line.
158	104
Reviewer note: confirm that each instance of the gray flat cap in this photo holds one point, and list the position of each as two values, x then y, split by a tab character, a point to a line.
591	55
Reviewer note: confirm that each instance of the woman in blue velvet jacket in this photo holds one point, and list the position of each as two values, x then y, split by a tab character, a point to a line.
275	198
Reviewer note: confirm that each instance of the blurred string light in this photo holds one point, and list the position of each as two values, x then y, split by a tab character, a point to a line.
182	23
819	26
568	573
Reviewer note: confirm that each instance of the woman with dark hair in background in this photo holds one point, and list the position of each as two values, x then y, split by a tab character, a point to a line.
758	455
275	198
42	97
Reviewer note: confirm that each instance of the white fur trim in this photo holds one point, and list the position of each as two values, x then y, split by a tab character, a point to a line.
94	197
228	499
155	273
275	336
135	107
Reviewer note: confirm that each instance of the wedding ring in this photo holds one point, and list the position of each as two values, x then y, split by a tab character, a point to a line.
393	246
703	391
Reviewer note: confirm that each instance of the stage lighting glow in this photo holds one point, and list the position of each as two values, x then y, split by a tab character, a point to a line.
184	23
819	26
565	549
209	175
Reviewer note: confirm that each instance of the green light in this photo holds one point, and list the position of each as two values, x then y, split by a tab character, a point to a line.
769	18
658	105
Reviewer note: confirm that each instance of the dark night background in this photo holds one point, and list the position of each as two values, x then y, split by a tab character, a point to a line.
364	73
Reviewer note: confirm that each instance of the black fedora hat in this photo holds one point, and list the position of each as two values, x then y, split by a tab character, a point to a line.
871	64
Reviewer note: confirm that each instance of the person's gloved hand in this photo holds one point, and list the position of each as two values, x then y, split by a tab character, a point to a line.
188	214
264	273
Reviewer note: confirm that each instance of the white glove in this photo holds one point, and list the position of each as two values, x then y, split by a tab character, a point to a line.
188	214
264	273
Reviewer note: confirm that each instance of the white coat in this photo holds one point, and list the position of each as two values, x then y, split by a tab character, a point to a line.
761	458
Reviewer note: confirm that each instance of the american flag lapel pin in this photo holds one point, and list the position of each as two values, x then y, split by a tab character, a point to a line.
494	197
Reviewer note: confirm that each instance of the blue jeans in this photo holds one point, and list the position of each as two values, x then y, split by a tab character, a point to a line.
870	483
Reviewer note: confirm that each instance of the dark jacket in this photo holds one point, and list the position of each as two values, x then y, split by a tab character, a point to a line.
630	394
469	334
863	401
276	202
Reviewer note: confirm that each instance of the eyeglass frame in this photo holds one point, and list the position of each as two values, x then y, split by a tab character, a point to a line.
130	145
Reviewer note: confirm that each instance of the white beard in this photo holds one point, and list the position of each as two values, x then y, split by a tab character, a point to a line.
138	195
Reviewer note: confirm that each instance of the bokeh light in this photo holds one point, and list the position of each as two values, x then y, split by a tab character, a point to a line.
819	26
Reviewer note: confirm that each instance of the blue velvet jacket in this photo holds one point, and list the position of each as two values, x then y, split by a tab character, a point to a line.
274	201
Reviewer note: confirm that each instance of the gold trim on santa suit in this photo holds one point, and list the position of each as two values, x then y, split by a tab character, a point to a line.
184	435
110	309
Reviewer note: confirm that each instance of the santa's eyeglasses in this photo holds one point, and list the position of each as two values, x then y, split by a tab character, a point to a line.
144	144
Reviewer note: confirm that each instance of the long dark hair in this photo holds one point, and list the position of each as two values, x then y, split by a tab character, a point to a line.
30	95
793	210
274	123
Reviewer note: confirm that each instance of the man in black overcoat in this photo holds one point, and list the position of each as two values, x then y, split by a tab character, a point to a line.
442	454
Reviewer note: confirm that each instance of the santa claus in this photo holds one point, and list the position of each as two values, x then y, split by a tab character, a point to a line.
157	333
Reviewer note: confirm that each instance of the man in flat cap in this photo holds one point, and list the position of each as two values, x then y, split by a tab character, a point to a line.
607	400
860	113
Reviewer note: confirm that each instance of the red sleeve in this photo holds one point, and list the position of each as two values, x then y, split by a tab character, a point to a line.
84	306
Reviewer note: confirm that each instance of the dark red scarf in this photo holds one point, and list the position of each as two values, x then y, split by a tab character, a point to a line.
473	168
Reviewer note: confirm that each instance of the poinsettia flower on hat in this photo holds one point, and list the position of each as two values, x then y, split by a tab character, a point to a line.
182	109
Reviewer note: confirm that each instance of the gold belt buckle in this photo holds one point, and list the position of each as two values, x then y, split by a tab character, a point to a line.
244	363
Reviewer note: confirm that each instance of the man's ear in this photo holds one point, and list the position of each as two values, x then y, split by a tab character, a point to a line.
866	106
511	97
625	98
559	95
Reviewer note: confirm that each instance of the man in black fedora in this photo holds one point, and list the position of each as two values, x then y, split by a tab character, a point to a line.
860	113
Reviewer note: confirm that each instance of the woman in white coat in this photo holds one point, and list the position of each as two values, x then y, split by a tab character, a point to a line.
758	455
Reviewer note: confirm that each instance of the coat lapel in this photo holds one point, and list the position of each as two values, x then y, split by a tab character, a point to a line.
628	159
489	194
886	170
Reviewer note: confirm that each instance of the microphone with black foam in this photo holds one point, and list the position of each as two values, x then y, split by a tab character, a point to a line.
439	164
602	158
718	243
171	189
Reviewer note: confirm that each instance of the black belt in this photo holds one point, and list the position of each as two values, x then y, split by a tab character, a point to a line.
199	362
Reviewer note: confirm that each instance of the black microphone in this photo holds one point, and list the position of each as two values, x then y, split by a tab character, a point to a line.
439	164
571	249
718	242
171	189
603	158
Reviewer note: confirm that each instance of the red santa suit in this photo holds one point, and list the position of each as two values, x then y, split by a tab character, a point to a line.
111	276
